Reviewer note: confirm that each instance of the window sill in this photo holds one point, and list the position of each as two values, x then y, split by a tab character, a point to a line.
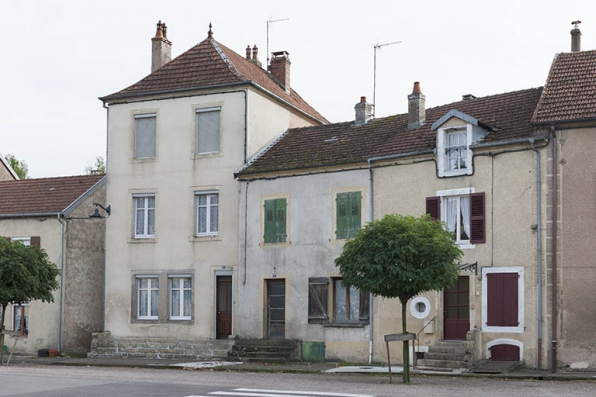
345	325
144	160
199	239
448	174
142	240
198	156
286	244
466	246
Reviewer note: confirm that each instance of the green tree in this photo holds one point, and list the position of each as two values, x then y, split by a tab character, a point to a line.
401	257
99	167
26	274
19	166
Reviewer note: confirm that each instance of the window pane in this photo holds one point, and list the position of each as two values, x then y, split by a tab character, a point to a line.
187	282
175	303
17	317
151	202
354	303
151	222
451	313
202	227
340	301
187	297
214	199
154	299
213	218
208	132
202	199
143	303
145	137
221	304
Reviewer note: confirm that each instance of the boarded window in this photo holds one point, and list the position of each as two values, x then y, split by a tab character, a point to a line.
208	130
145	127
502	299
348	214
275	221
318	290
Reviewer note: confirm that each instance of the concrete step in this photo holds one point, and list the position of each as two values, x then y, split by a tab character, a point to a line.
444	356
447	349
443	364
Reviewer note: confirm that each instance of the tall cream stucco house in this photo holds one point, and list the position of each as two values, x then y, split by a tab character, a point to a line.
483	166
175	139
54	213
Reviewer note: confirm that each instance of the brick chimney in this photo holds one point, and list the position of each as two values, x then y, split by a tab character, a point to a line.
416	107
363	111
576	37
161	47
280	68
255	55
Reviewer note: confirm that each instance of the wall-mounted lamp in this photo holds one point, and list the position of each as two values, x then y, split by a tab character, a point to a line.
96	213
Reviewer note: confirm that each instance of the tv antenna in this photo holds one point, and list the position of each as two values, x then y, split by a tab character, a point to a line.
378	46
269	22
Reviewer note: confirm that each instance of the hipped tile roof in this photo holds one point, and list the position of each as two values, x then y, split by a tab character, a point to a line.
44	195
508	114
210	63
570	91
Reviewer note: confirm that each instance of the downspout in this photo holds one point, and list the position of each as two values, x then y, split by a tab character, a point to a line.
245	125
369	218
554	249
245	228
539	249
105	229
61	260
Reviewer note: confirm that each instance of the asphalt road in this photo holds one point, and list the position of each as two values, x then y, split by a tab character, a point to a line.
131	382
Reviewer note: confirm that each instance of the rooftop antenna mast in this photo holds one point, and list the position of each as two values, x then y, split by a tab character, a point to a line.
269	22
378	46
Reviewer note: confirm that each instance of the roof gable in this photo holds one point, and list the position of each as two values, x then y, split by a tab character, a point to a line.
462	116
27	197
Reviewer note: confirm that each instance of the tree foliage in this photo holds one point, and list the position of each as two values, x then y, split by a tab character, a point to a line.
401	257
99	167
19	166
26	274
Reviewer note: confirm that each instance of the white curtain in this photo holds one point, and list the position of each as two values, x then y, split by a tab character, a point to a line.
451	213
465	215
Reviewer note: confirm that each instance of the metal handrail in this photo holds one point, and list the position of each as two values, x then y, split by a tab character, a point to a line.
418	340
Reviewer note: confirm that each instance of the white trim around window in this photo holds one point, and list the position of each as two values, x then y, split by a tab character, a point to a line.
520	299
464	156
144	215
452	199
24	240
206	213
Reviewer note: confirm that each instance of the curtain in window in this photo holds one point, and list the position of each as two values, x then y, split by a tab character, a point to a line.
187	297
465	216
451	213
213	213
140	221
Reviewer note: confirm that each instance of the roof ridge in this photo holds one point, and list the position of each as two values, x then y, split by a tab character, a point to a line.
225	58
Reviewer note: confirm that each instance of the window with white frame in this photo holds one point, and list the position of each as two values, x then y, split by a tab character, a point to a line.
144	217
207	139
453	150
24	240
147	297
180	297
207	213
20	316
457	217
145	133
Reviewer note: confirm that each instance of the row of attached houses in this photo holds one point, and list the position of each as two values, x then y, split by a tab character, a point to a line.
231	197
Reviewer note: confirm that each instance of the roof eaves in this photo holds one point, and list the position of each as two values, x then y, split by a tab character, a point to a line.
563	121
84	196
29	215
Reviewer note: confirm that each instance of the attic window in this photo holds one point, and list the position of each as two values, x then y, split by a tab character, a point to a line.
453	150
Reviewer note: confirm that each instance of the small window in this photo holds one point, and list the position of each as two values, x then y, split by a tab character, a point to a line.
456	150
348	214
275	221
457	217
454	157
147	298
20	314
463	211
208	130
207	213
350	305
180	297
145	127
24	240
318	288
144	217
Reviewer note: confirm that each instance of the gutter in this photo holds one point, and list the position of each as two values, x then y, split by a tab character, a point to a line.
31	214
554	249
105	229
61	260
369	218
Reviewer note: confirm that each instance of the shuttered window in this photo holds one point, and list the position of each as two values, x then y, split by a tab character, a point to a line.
145	128
318	290
275	221
348	214
502	299
433	207
350	305
477	218
464	215
208	130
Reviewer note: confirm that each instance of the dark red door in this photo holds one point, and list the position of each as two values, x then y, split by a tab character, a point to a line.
224	307
456	310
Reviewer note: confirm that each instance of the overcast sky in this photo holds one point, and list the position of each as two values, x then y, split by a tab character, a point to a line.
58	57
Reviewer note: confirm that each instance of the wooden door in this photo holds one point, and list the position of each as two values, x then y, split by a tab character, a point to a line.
456	310
276	308
223	328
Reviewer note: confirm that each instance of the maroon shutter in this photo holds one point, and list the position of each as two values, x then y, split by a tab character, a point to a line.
9	239
477	223
433	207
35	240
502	299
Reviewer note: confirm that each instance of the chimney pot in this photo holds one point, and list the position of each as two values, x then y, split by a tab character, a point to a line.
161	47
248	52
576	36
255	56
280	68
255	52
363	111
416	107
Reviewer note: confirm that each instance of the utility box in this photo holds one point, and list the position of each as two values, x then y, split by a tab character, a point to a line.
313	351
429	327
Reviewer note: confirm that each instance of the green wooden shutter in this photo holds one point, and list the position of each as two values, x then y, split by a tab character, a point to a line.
280	220
354	217
269	236
341	205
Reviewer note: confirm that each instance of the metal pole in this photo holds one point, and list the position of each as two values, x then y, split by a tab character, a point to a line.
375	74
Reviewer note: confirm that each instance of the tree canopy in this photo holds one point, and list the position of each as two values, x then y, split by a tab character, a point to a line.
19	166
26	274
98	167
401	257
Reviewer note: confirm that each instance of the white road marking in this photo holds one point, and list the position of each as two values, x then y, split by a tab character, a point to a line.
283	393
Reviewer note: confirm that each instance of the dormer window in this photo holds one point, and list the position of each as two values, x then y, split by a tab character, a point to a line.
453	152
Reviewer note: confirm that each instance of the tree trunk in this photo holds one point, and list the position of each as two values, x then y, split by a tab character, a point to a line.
2	333
406	347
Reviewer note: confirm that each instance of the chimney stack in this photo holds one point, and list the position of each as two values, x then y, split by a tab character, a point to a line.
363	111
161	47
576	37
280	68
255	56
416	107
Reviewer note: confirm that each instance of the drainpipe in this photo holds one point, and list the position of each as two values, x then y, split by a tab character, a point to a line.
369	218
554	250
61	260
105	228
539	237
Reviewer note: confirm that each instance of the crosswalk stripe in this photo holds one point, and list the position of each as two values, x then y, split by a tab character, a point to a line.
310	393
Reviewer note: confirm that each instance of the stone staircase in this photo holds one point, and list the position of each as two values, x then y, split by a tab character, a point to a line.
270	350
445	356
103	345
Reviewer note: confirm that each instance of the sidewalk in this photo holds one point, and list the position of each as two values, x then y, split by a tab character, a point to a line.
290	367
